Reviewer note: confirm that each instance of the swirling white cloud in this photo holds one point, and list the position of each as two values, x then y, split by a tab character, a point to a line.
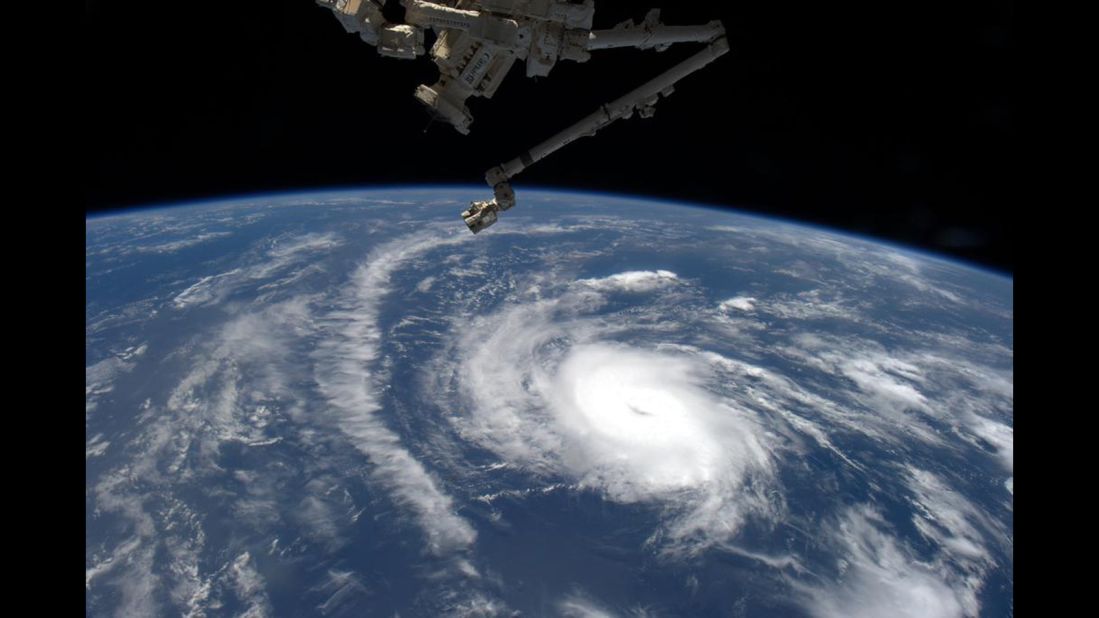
637	385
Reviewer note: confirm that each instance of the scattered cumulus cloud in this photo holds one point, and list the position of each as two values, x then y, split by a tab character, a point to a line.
579	606
632	281
739	303
96	446
879	576
274	260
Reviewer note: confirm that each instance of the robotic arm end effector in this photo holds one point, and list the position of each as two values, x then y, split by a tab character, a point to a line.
482	214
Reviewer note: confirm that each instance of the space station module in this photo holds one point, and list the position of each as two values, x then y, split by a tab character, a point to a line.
478	41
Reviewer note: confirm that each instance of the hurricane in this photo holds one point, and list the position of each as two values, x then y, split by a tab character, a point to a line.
344	404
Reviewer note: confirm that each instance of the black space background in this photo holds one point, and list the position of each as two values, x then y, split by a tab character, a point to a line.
895	119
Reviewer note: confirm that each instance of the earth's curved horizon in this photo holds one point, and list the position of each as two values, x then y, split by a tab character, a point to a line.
483	193
341	402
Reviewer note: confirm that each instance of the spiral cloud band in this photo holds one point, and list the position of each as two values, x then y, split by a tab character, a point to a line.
552	391
756	417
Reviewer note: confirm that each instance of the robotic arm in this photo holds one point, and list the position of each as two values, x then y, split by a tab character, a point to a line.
642	99
650	33
478	41
475	52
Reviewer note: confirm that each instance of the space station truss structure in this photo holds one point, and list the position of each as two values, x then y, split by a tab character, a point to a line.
478	41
